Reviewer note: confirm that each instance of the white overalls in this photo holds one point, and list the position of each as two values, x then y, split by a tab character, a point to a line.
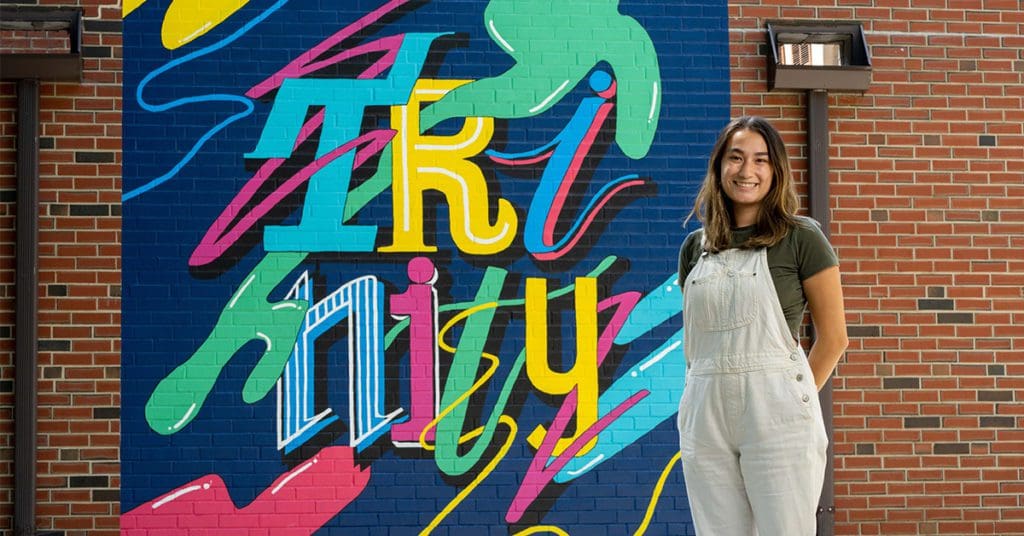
751	433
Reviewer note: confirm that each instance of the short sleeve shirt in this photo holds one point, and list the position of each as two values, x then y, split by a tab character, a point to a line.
803	253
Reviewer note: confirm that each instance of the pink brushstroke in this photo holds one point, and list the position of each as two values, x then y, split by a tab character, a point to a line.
551	255
538	476
306	63
574	168
298	503
625	301
224	232
521	161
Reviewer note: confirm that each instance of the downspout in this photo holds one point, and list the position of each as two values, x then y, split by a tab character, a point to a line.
818	192
27	69
27	308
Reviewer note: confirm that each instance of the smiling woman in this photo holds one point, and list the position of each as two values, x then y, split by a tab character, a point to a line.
751	433
746	175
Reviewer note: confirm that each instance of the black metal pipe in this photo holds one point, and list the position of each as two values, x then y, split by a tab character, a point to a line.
817	191
27	304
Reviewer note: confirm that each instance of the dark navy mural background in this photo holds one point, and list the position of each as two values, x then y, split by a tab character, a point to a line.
549	194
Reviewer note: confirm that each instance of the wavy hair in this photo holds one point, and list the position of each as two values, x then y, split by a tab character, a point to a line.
714	209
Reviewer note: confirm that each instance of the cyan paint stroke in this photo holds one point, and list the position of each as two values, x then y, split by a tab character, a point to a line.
656	308
662	373
555	45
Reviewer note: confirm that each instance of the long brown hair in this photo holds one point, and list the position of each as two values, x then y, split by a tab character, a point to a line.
778	209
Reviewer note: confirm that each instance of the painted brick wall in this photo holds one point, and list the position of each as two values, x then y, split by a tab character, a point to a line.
79	283
928	197
927	180
281	301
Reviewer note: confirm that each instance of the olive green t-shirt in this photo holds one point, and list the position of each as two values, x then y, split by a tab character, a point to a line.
803	253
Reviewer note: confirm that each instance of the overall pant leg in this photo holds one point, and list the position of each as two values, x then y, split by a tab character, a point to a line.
783	451
711	462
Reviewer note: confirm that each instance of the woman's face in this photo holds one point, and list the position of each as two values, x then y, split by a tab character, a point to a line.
746	174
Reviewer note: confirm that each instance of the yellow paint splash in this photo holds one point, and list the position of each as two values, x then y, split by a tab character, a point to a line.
187	20
130	5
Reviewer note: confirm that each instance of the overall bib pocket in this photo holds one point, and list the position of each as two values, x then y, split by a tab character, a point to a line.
725	300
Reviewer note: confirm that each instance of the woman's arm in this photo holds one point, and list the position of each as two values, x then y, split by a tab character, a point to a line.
824	293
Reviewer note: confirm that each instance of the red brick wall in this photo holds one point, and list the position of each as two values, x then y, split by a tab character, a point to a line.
79	287
928	207
927	182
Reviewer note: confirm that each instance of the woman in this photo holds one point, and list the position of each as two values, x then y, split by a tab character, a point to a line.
751	433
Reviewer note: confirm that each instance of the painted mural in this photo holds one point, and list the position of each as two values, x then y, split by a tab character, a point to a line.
408	267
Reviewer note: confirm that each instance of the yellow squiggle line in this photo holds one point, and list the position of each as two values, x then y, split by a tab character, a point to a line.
503	419
469	392
656	495
540	528
507	421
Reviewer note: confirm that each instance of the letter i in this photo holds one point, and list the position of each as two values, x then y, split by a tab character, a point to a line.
419	304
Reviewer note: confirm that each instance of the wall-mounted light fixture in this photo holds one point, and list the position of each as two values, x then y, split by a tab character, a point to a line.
59	65
818	55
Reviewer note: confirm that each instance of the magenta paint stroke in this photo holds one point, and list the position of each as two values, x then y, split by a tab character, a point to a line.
306	63
297	503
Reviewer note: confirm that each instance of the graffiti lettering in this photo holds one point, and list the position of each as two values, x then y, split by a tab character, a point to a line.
419	304
581	378
566	154
344	100
440	163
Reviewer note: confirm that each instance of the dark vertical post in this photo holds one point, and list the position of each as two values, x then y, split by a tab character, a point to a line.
26	347
817	191
817	158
